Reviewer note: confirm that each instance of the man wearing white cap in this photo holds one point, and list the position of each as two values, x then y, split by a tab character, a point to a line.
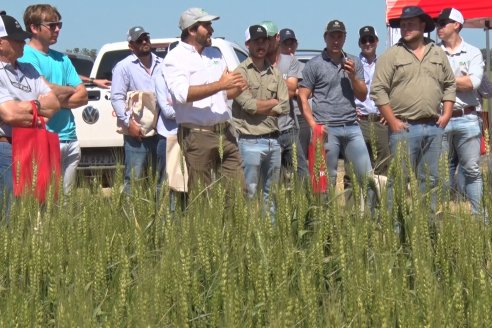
462	134
21	90
200	84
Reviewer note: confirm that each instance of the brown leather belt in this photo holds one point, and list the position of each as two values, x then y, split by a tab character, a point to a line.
370	117
6	139
208	128
426	120
465	111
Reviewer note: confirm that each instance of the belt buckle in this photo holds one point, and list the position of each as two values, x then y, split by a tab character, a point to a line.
372	117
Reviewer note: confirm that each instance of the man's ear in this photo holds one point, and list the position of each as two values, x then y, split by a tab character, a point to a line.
34	28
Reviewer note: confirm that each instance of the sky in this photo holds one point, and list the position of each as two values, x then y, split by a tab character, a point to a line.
91	24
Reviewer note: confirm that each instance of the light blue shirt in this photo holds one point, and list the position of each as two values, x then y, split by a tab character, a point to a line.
367	106
166	123
130	75
56	68
466	61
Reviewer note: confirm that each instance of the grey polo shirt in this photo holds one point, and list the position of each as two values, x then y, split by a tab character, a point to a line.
20	83
333	95
288	66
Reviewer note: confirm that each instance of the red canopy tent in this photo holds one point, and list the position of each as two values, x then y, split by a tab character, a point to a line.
477	14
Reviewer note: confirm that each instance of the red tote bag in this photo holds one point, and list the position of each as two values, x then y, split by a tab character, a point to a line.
317	160
35	159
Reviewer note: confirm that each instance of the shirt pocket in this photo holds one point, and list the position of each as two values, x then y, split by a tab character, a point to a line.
403	68
272	88
435	67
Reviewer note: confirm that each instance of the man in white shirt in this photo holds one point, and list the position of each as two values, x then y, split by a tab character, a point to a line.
200	84
462	134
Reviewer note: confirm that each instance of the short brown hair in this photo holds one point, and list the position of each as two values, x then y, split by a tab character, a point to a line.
36	14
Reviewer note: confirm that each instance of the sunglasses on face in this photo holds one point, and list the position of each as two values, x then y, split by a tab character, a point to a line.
142	39
52	25
444	22
367	39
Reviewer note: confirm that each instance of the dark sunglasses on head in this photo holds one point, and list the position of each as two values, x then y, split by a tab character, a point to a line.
444	22
369	39
52	25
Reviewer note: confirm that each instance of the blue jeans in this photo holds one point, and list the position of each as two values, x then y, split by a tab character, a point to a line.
6	187
139	157
261	162
462	140
349	141
286	140
423	143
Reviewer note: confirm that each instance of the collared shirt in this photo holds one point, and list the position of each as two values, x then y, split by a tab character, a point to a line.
263	85
413	88
56	68
367	106
129	74
20	83
289	66
333	95
166	123
466	60
185	67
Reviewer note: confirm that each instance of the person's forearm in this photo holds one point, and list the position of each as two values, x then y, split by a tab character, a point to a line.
62	92
49	105
264	107
387	112
464	83
360	89
233	93
447	108
199	92
306	110
79	98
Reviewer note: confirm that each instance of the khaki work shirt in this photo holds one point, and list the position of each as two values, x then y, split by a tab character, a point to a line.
263	85
414	89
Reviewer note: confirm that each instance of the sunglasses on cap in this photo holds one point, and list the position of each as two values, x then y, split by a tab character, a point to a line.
366	39
52	25
444	22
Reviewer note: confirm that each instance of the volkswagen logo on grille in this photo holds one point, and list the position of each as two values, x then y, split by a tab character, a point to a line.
90	115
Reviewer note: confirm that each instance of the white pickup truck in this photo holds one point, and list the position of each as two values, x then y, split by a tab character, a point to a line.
102	146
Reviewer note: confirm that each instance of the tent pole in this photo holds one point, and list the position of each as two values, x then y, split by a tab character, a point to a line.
487	65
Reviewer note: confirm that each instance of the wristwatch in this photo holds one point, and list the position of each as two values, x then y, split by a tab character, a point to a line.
38	104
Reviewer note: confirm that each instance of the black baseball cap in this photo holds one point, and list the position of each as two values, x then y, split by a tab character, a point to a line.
257	32
286	34
367	31
335	26
10	28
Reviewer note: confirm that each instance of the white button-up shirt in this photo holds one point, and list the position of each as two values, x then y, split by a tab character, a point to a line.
367	106
185	67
